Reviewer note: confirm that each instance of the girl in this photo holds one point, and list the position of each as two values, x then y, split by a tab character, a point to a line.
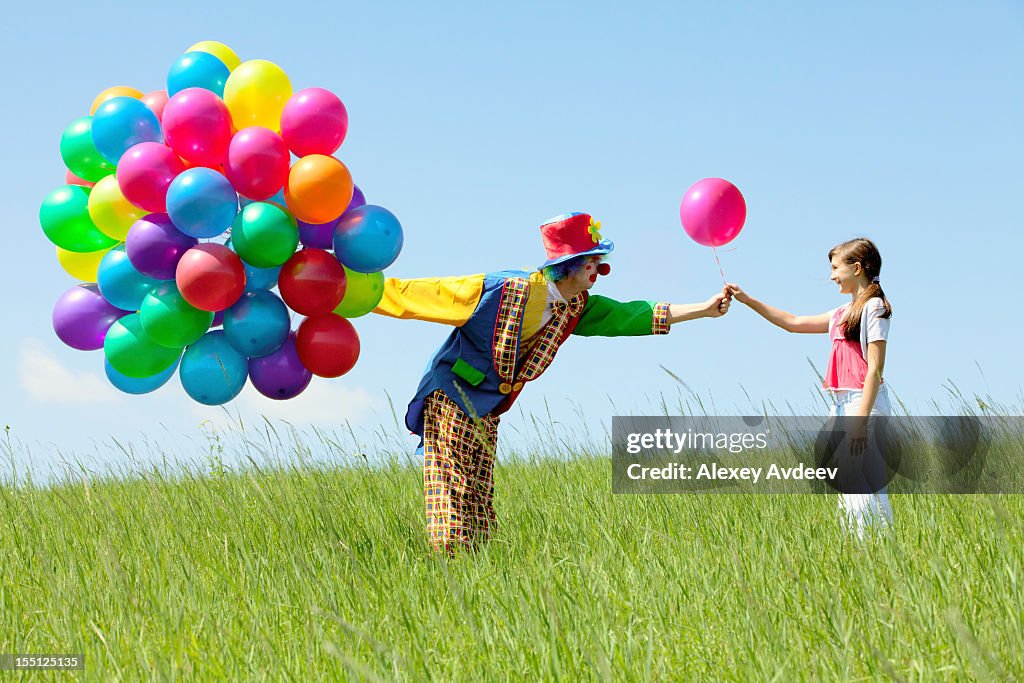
858	331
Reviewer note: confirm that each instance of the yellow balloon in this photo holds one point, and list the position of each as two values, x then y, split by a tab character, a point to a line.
112	92
218	50
82	267
110	211
256	93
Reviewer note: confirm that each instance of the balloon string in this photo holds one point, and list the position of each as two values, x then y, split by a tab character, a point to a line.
715	249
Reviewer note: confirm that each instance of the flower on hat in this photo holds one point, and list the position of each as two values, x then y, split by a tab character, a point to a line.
594	230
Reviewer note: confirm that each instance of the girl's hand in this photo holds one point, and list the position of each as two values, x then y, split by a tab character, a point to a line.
734	290
858	434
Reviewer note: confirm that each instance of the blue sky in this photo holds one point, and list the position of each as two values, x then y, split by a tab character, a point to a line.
473	123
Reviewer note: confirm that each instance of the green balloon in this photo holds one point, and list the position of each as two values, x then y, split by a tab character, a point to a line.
130	351
363	291
80	154
64	216
264	235
171	321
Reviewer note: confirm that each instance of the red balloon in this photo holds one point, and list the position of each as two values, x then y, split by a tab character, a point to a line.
327	345
312	282
197	126
210	276
257	163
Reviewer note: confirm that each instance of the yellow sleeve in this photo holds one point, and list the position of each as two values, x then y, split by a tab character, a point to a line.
448	300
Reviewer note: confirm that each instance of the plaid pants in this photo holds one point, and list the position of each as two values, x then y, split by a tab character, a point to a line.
458	474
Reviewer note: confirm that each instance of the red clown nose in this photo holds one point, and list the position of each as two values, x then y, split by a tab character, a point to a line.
603	269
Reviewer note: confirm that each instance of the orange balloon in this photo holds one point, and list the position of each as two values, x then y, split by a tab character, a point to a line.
319	189
112	92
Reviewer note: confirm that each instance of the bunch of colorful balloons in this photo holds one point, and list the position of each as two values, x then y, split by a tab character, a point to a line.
185	209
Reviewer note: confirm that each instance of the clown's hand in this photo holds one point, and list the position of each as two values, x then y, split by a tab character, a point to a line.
718	305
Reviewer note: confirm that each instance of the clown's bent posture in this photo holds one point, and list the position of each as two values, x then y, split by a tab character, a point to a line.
508	327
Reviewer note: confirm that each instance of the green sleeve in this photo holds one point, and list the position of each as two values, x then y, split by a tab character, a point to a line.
604	317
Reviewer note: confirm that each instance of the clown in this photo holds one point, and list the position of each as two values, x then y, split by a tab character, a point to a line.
508	327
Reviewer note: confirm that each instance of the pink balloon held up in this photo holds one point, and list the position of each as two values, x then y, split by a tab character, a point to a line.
713	212
314	121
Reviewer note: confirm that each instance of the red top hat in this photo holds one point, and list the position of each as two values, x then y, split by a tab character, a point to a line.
571	235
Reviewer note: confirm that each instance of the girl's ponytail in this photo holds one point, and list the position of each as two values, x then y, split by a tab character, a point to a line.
864	252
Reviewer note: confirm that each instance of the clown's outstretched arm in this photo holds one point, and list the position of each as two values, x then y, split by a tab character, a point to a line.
448	300
604	317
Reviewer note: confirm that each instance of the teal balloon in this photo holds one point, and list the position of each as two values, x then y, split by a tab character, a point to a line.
212	372
264	235
131	352
171	321
138	385
79	152
120	283
64	217
258	324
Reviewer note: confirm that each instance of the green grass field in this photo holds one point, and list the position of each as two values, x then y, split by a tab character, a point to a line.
305	572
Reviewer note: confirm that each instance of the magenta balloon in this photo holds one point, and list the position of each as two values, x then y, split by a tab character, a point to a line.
197	126
154	246
145	172
713	212
82	317
280	375
314	121
257	163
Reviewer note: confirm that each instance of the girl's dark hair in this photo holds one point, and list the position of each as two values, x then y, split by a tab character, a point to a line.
562	270
863	251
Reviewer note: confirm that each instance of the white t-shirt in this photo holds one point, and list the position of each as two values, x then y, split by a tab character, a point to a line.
873	327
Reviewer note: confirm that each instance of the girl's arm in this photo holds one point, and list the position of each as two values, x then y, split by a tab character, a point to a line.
873	379
790	323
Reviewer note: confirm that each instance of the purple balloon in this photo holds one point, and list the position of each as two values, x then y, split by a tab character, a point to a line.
218	319
82	317
154	246
321	235
280	375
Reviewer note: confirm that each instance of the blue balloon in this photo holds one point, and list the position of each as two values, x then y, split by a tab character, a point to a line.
197	70
122	122
260	278
368	238
212	372
120	283
138	385
258	324
201	202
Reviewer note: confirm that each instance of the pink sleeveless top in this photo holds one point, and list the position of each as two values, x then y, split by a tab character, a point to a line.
847	368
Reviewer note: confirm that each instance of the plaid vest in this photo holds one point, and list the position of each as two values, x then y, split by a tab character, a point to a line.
481	366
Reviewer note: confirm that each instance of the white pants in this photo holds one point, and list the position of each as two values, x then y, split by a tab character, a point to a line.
861	510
